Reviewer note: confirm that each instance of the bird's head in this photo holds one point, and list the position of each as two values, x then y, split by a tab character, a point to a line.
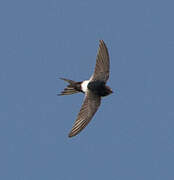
109	90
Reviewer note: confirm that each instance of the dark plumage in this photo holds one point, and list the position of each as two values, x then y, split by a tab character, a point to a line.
99	88
73	87
94	89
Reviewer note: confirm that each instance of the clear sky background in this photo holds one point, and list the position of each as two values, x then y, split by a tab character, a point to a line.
132	134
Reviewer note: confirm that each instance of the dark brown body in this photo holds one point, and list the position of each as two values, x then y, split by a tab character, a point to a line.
99	88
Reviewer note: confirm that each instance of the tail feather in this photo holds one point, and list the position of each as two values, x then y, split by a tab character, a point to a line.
68	80
70	89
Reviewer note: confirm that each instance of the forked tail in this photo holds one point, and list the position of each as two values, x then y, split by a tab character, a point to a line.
70	89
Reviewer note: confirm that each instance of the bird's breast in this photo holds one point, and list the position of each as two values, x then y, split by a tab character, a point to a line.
98	87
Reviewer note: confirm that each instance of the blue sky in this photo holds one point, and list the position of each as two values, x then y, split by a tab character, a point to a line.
131	136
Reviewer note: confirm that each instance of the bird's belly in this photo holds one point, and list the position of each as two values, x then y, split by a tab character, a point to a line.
98	88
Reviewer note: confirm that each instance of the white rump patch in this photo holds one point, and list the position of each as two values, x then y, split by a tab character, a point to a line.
84	86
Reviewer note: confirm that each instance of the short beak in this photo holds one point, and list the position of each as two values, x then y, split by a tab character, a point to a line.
111	91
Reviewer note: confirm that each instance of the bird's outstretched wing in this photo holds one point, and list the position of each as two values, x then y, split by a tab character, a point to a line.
102	66
87	111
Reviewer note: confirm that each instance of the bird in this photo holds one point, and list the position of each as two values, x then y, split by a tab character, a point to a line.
94	89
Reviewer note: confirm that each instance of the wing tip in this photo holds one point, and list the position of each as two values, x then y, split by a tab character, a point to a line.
101	41
74	132
71	134
102	44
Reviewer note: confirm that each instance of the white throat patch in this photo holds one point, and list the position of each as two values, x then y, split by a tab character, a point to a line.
84	86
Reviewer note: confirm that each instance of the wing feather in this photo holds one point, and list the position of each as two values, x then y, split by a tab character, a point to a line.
102	66
87	111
